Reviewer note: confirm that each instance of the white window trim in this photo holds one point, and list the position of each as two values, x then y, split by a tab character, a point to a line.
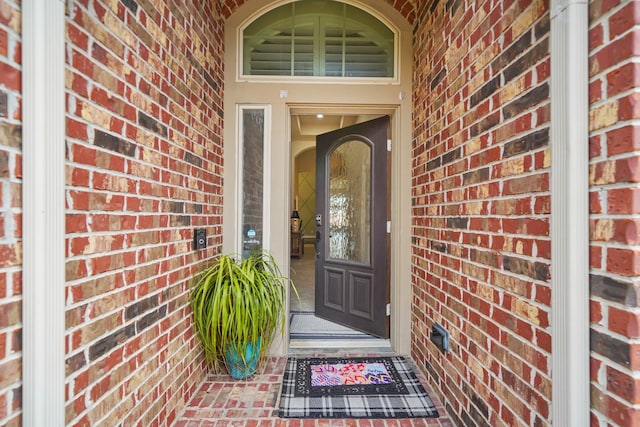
240	77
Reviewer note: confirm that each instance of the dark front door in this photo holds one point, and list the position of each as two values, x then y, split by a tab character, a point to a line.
351	226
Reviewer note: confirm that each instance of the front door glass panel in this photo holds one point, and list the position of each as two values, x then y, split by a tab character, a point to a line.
350	202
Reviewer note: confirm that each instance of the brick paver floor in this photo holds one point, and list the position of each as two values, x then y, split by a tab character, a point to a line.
224	402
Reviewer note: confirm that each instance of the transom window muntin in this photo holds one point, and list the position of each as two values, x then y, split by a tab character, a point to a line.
318	39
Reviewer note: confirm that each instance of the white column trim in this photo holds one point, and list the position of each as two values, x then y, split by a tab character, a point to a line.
43	62
569	213
401	230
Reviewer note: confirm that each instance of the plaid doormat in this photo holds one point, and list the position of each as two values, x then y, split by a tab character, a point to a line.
361	387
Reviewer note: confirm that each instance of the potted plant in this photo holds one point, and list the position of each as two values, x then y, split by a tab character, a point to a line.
237	308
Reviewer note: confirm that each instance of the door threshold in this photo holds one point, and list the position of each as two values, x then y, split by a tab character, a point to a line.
376	345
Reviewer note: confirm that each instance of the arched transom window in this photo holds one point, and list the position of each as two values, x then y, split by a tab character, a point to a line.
318	38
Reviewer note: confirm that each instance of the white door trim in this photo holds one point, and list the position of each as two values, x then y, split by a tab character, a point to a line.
400	277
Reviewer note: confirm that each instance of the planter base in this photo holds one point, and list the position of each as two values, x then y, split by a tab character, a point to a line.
242	367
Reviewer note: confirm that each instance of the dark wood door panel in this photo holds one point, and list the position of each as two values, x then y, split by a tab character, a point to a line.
361	294
334	291
352	284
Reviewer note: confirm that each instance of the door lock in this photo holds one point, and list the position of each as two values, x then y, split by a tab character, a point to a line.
316	242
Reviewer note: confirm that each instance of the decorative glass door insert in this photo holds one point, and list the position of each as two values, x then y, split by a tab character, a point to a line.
350	202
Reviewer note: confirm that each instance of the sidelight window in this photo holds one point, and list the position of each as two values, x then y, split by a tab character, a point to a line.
254	172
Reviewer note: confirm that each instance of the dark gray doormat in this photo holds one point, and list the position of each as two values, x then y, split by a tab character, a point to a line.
360	387
305	325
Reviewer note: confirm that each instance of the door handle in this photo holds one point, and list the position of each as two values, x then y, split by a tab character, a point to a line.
315	243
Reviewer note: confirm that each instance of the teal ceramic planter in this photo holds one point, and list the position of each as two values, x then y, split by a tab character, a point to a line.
239	367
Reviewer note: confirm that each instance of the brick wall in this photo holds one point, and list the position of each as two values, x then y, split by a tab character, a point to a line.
144	166
405	7
481	207
10	213
614	204
144	96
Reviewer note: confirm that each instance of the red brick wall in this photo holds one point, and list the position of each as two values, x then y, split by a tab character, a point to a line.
10	214
481	207
144	167
614	201
405	7
144	164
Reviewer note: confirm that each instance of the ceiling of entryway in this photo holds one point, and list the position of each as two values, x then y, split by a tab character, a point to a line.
308	126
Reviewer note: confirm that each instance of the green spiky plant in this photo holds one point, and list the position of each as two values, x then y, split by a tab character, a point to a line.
238	304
